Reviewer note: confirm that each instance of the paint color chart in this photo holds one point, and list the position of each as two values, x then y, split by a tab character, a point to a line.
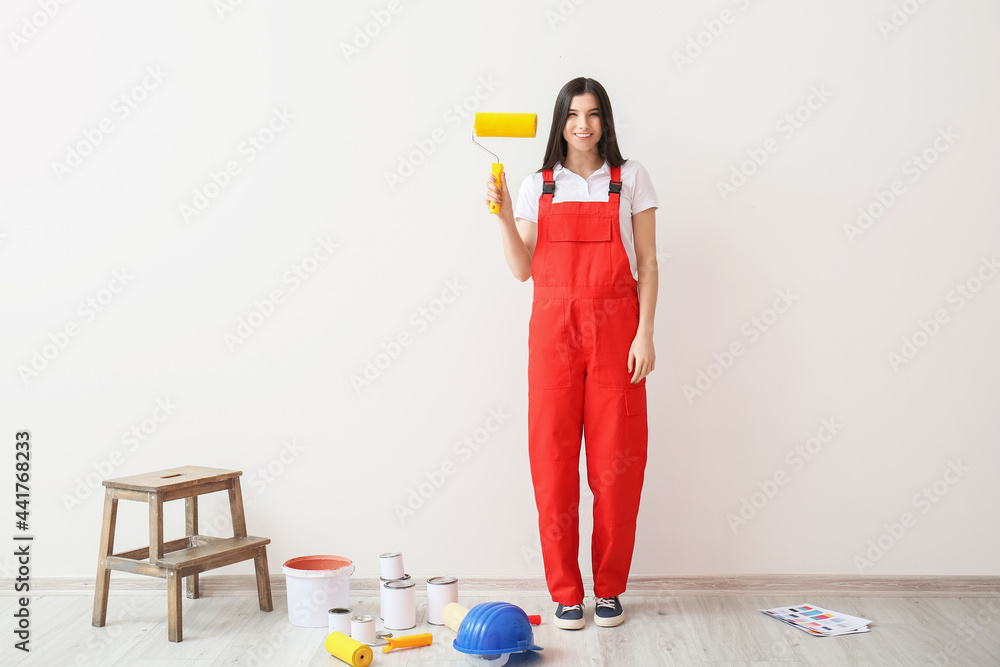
819	621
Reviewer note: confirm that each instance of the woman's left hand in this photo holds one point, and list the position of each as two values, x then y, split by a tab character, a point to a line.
641	356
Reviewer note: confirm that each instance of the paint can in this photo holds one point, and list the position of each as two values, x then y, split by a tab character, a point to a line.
392	565
381	593
400	611
440	591
339	620
363	629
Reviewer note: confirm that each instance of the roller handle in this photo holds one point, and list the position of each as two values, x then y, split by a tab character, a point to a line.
409	641
535	619
497	172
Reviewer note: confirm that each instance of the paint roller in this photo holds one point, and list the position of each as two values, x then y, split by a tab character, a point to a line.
502	125
348	650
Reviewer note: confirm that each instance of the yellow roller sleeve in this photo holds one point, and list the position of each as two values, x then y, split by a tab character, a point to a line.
453	614
349	650
506	124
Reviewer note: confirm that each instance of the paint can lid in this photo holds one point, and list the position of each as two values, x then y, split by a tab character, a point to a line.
405	577
441	581
390	554
363	619
398	584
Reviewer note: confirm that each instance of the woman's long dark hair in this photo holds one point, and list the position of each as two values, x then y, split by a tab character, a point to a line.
607	145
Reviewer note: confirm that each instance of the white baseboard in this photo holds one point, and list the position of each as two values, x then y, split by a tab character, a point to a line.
750	584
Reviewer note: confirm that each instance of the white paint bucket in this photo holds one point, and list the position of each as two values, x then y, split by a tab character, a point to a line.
315	584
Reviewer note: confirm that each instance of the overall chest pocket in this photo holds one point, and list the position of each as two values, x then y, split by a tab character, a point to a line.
581	228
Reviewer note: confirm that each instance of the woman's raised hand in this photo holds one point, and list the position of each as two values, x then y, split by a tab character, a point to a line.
500	195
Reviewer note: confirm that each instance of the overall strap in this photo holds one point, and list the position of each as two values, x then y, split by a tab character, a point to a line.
548	184
615	188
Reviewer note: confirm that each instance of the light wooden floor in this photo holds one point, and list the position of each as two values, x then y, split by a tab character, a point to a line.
662	629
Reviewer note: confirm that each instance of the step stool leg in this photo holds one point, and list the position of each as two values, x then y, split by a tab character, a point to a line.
236	508
263	580
107	547
174	616
155	527
191	528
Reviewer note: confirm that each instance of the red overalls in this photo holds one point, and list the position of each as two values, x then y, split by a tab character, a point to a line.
584	316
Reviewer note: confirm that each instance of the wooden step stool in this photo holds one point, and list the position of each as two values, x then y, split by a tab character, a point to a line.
178	559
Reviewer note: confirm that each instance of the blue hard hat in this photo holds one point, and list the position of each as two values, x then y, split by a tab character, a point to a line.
493	628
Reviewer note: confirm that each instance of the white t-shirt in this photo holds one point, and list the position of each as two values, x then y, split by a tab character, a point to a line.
637	195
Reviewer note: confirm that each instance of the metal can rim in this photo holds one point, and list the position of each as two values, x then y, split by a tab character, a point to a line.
399	583
390	554
409	628
442	581
364	618
405	577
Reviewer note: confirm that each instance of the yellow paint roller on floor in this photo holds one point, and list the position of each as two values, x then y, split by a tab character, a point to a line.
453	614
349	650
502	125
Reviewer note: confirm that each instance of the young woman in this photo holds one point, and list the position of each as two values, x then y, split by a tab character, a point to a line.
584	232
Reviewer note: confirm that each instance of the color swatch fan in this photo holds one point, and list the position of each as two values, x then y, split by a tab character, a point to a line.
818	621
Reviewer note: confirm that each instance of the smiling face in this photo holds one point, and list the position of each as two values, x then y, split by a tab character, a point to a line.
583	124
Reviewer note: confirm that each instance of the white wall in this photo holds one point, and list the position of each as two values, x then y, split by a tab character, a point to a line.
341	460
